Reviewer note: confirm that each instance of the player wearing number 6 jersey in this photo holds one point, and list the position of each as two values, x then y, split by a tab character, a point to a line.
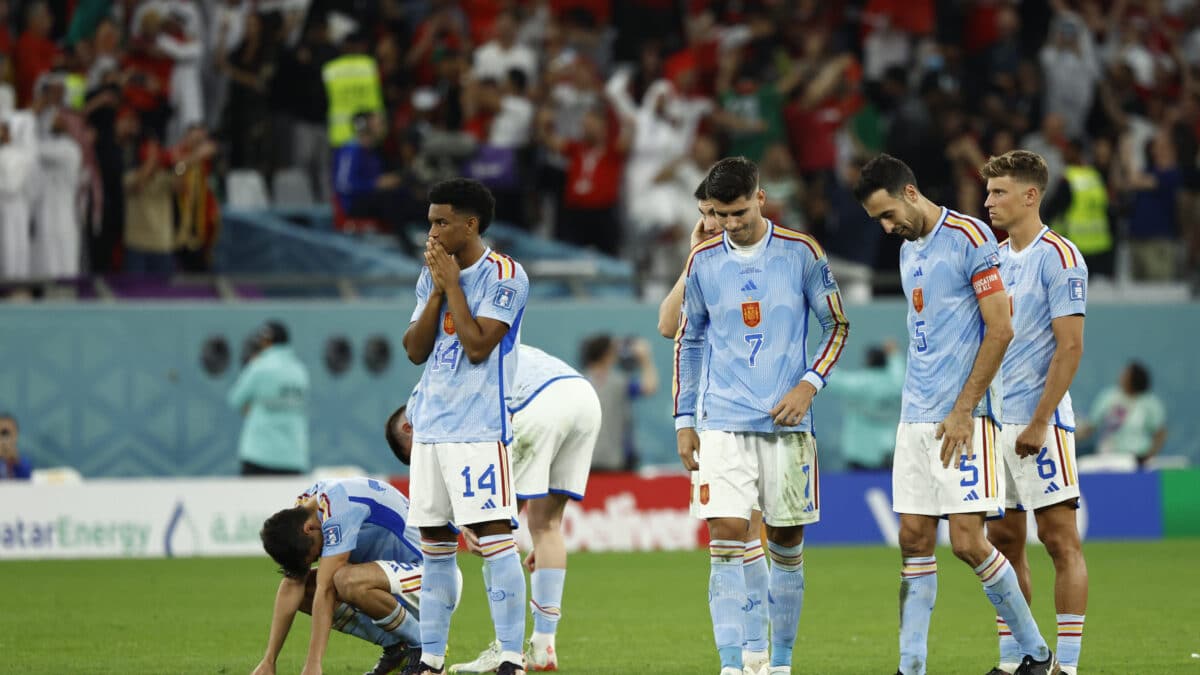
1047	280
945	460
741	361
466	329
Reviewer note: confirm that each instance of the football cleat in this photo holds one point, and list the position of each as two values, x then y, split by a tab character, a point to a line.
510	668
422	668
731	671
540	660
780	670
1048	667
756	663
395	659
487	661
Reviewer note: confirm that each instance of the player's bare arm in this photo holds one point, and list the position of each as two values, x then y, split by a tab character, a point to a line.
1068	349
794	405
955	431
672	305
288	599
324	602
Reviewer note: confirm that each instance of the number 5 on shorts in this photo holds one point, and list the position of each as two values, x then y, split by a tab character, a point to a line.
487	480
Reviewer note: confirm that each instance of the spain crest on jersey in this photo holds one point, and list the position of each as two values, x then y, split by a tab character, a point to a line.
918	299
448	324
751	316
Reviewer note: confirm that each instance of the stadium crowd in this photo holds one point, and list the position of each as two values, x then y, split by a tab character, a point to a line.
590	120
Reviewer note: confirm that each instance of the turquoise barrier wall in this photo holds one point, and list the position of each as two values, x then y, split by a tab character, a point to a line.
119	390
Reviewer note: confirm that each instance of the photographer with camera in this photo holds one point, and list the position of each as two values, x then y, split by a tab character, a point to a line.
621	371
12	464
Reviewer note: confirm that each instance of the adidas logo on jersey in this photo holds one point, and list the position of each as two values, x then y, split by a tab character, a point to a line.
489	504
1052	487
972	496
918	273
749	286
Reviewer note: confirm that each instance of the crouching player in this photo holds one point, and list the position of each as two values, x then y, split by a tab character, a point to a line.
368	579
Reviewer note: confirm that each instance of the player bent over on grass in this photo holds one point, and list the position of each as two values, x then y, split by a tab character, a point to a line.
368	579
754	564
946	461
1046	278
743	388
556	419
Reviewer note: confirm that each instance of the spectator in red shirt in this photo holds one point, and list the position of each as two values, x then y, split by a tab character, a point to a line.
36	53
589	216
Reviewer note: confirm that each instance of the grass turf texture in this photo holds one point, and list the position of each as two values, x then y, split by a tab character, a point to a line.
638	613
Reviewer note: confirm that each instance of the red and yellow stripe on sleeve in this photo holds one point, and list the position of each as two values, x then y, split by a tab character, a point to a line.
504	265
837	339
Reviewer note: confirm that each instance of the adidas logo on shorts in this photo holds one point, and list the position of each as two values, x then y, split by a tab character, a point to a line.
972	496
1052	487
489	504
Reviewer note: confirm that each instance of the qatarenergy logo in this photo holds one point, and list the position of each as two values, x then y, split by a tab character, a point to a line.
67	533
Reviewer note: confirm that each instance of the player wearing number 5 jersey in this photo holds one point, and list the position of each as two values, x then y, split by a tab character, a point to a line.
1047	280
945	461
466	329
743	387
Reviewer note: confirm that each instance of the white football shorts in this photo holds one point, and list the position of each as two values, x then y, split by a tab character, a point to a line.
922	486
463	483
739	471
554	435
1043	479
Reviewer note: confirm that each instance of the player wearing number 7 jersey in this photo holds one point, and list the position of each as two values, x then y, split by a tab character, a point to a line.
741	361
466	329
945	460
1046	278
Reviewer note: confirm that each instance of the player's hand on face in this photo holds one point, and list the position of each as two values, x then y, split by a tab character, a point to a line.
432	263
441	265
1031	441
794	405
698	233
264	668
531	561
688	444
955	434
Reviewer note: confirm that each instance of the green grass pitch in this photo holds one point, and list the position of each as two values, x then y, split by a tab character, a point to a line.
623	613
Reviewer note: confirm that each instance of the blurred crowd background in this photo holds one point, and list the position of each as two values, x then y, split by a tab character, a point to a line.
127	124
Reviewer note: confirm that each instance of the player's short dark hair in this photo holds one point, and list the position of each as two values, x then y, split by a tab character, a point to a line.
1139	377
276	332
883	173
284	540
594	348
465	195
701	193
391	433
730	179
1020	165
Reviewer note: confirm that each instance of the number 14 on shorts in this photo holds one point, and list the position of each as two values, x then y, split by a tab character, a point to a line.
486	481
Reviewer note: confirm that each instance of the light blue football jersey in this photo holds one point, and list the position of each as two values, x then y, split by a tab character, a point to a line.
537	370
1045	281
941	274
457	401
366	517
742	342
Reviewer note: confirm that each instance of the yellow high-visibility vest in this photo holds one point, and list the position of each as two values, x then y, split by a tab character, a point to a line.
352	86
1086	221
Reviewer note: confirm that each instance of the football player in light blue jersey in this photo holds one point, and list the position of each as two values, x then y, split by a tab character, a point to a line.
959	327
1046	279
556	419
742	362
756	624
369	572
465	329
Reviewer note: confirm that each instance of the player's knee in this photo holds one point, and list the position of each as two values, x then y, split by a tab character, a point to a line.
1006	539
346	583
915	543
1060	544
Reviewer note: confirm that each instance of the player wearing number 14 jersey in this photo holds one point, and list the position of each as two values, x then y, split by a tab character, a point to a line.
743	386
945	460
466	329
